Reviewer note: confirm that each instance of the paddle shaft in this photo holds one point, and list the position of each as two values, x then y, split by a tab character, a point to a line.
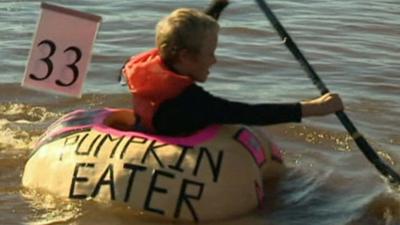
216	7
363	145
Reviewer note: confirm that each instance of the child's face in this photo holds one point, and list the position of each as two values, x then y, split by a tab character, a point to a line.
198	65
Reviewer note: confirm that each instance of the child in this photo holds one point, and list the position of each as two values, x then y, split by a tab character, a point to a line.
166	98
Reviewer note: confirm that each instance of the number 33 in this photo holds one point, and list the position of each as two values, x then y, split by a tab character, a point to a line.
49	63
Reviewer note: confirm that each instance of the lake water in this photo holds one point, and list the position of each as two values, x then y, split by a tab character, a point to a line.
354	46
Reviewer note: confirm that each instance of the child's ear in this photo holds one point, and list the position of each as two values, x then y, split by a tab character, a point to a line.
185	56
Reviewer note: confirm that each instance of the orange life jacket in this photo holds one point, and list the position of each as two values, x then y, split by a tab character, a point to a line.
151	83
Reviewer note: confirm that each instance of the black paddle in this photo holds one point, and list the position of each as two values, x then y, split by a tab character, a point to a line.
371	155
216	7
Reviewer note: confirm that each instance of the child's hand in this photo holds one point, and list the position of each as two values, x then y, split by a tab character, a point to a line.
323	105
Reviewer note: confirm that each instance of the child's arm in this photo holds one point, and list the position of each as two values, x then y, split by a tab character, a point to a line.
195	109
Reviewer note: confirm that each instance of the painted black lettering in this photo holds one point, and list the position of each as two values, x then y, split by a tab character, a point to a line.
153	188
134	140
178	163
46	60
49	63
151	149
133	168
72	66
109	172
76	179
80	143
215	167
80	151
185	197
70	140
104	139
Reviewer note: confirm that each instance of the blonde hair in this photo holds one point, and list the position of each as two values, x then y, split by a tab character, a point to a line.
183	29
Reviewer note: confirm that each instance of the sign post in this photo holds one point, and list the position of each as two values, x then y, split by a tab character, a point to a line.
61	50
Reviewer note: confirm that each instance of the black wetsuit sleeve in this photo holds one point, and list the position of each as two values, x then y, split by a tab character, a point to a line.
195	109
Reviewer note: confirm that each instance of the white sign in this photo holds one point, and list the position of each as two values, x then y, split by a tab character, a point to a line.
61	50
